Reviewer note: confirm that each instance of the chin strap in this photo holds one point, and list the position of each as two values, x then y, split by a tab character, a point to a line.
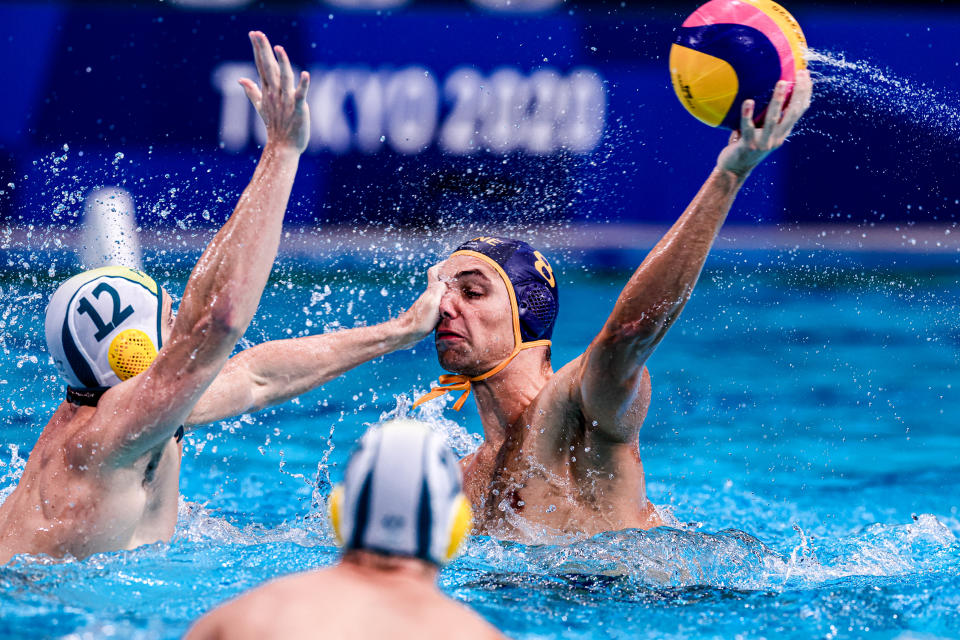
90	396
85	396
459	382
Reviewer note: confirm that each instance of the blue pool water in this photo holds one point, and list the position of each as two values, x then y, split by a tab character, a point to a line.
802	442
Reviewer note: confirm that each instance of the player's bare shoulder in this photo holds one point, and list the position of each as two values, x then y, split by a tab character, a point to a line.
554	415
65	446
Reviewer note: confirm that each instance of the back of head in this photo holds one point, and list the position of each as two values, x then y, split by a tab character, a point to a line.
401	495
103	326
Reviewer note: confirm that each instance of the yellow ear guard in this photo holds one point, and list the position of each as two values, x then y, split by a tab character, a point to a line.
461	525
335	505
401	495
131	353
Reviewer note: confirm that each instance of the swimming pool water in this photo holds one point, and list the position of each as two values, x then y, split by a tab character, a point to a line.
802	441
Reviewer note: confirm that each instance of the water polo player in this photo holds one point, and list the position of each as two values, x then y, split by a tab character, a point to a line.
399	516
560	451
110	441
104	473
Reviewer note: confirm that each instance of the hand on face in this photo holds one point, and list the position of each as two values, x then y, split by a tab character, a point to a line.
749	146
475	332
282	105
422	317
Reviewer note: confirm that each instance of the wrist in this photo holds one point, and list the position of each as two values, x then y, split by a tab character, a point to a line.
281	150
736	175
402	332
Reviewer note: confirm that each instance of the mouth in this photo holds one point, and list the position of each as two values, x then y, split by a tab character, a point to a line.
447	334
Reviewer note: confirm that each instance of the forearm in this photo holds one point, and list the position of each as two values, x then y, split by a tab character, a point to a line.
274	372
229	278
288	368
658	290
613	384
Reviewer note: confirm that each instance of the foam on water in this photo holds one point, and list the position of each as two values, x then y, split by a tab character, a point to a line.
730	558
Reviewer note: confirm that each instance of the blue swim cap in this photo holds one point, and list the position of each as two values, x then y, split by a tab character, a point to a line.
532	288
530	283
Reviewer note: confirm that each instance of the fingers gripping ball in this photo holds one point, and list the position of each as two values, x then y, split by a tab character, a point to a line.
729	51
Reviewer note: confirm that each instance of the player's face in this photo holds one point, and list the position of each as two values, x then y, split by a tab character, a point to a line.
475	333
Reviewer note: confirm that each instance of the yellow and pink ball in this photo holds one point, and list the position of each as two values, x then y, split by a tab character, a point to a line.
729	51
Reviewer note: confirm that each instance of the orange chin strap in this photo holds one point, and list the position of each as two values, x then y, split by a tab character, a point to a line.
459	382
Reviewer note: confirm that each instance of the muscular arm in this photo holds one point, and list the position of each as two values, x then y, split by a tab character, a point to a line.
224	288
277	371
611	374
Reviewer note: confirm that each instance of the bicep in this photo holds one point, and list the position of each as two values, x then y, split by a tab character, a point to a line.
614	387
142	412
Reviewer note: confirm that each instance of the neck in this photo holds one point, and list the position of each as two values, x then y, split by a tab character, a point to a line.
501	399
370	562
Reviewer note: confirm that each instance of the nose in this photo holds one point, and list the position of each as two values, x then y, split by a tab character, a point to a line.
448	304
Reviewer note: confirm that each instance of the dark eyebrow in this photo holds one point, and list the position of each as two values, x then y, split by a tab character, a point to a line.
471	272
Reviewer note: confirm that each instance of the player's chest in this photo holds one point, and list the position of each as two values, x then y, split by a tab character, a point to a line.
524	471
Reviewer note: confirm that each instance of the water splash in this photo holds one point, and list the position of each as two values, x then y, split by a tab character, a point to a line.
867	87
457	438
13	470
729	559
199	525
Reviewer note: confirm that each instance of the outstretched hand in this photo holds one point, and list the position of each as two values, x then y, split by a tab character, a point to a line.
749	146
422	317
282	105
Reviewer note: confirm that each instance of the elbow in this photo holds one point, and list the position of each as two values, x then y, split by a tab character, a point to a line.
264	395
214	330
223	321
635	334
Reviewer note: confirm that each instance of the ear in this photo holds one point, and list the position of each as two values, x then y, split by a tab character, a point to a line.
461	526
130	353
335	505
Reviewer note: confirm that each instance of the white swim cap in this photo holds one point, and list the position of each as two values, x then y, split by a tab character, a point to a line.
103	326
401	495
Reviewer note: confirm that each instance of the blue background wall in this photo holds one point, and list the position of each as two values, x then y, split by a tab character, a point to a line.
130	91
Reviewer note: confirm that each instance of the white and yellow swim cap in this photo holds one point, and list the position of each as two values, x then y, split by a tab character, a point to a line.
401	495
103	326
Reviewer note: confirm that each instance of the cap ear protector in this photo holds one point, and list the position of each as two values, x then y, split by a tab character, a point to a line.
537	308
130	353
460	527
401	496
335	505
103	326
461	522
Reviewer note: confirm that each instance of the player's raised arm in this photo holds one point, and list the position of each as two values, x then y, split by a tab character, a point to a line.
611	370
274	372
224	288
